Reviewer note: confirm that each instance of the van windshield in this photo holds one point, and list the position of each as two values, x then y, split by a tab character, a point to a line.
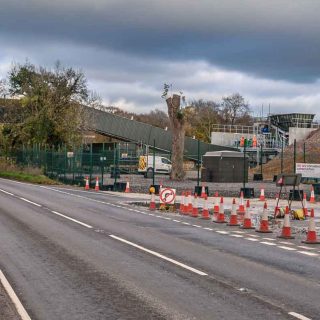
165	160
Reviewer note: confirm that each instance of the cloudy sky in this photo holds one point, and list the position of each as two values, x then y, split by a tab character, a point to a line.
267	50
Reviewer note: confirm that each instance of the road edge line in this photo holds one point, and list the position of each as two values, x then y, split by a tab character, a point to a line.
14	298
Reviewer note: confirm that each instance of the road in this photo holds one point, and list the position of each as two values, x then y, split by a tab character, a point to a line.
70	254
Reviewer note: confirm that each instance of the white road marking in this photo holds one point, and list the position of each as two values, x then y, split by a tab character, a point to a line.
238	232
210	229
167	218
186	223
253	235
35	204
307	248
236	235
74	220
222	232
287	248
307	253
298	316
182	265
176	220
9	193
268	243
197	226
270	239
17	303
251	239
285	242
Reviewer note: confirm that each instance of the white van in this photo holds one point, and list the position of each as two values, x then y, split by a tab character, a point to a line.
162	165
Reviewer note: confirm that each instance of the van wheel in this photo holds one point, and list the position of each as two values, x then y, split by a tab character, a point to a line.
149	173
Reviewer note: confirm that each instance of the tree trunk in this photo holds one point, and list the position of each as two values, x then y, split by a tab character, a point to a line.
177	124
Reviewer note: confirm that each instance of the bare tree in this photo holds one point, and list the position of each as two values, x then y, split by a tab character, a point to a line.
233	108
177	124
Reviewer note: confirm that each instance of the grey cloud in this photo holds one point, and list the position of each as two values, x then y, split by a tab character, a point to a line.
275	38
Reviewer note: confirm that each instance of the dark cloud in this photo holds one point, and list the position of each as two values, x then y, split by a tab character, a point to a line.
275	39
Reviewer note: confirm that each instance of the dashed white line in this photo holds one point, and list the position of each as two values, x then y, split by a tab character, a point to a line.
307	253
222	232
268	243
176	220
74	220
19	307
285	242
253	235
238	232
35	204
251	239
307	248
270	239
166	218
6	192
298	316
210	229
197	226
287	248
182	265
236	235
186	223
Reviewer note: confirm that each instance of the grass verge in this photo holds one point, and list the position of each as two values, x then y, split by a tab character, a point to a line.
27	177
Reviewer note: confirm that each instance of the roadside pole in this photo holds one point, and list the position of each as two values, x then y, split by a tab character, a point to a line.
261	162
244	164
198	176
282	155
304	152
154	160
294	155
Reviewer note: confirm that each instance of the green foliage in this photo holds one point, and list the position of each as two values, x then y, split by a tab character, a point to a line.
50	106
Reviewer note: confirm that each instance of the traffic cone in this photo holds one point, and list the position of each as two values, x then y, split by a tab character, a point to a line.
216	204
87	187
127	190
190	207
205	210
247	224
312	197
220	217
181	208
195	209
305	205
97	188
233	217
262	197
286	229
152	205
248	205
186	204
264	223
311	235
203	192
241	208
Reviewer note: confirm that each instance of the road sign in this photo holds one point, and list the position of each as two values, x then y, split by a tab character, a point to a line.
308	170
167	195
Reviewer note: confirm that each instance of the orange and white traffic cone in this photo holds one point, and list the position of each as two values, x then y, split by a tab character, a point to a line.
203	192
247	223
216	204
286	229
127	190
241	208
220	217
87	187
195	209
205	210
97	188
190	204
305	205
312	234
181	208
262	197
264	223
152	205
233	217
186	204
312	197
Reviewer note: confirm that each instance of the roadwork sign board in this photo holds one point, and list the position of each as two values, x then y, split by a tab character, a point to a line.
308	170
167	195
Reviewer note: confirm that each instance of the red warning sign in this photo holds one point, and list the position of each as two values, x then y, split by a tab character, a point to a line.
167	195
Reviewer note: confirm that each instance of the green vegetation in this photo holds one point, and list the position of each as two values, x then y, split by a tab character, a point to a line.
26	177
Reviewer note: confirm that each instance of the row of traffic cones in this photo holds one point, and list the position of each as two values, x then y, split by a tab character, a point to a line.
97	185
192	209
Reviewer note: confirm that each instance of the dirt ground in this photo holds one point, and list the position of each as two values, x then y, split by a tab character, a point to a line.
7	309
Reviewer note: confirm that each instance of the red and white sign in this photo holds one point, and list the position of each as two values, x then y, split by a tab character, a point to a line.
167	195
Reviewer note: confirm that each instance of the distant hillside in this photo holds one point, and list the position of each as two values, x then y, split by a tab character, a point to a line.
273	167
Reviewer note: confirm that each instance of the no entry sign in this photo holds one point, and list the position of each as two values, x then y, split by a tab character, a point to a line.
167	195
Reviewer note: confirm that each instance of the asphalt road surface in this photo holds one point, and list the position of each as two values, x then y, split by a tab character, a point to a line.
75	255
